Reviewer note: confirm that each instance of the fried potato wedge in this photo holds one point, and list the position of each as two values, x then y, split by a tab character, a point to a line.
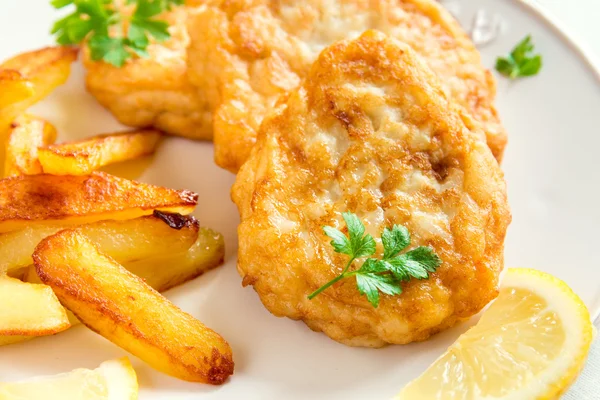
14	87
170	270
121	307
29	310
70	200
30	276
125	240
26	134
45	69
112	380
86	156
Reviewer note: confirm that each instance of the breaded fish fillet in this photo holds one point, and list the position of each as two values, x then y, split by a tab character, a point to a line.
154	91
370	131
244	53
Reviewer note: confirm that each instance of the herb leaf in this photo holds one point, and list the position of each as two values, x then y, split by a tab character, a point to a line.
521	61
362	245
60	3
379	275
340	242
394	240
111	50
371	283
417	263
92	20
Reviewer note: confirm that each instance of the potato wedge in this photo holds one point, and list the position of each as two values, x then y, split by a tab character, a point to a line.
86	156
121	307
46	69
14	87
124	240
26	134
168	271
29	310
112	380
70	200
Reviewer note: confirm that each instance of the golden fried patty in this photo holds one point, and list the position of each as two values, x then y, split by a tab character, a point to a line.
244	53
370	131
154	91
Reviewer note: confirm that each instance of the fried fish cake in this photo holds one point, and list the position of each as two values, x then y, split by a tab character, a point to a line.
154	91
243	54
370	131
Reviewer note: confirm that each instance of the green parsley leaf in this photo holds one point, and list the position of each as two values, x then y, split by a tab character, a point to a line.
370	282
92	20
159	30
361	245
521	61
376	275
417	263
60	3
148	8
531	66
340	242
111	50
356	244
394	240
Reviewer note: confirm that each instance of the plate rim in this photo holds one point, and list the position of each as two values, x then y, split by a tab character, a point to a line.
566	34
592	63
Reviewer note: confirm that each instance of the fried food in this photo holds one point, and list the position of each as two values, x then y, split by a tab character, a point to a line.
244	54
372	132
28	310
164	256
130	240
161	272
154	91
45	69
34	199
26	134
15	87
122	308
170	270
85	156
112	380
166	271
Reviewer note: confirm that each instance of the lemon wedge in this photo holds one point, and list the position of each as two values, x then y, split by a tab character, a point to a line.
112	380
530	344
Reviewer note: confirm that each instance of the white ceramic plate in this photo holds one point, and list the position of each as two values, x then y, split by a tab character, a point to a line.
551	166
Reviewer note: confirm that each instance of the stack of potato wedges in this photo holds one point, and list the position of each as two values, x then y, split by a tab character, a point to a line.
81	245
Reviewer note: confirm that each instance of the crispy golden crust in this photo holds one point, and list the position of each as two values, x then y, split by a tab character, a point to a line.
29	310
119	306
26	134
154	91
14	87
85	156
370	131
244	53
83	199
127	241
37	62
41	72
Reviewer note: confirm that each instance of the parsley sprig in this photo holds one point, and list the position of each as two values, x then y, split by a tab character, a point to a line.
379	275
521	61
91	20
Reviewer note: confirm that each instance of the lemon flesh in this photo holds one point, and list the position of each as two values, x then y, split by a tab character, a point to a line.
530	344
112	380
